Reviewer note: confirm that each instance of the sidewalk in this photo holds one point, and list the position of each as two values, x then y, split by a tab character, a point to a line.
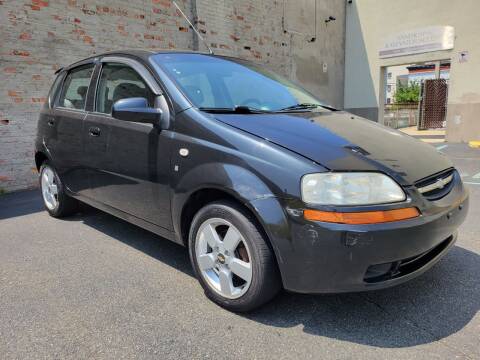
429	136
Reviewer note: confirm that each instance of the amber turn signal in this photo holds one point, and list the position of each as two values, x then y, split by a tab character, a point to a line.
364	217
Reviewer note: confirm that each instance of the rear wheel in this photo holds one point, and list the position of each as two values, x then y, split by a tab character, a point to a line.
231	258
56	201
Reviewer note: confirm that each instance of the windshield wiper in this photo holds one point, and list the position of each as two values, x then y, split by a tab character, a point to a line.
305	106
234	110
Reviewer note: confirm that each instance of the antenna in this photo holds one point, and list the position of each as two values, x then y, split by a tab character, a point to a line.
193	27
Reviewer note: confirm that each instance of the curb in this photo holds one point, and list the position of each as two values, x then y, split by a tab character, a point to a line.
474	144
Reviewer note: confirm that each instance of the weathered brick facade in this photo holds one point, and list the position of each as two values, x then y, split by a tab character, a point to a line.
39	36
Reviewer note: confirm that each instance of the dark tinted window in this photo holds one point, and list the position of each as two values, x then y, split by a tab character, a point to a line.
75	87
215	82
119	81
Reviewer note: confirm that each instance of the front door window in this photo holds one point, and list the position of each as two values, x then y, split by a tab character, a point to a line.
119	81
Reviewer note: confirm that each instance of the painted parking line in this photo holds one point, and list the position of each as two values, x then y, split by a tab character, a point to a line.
441	147
471	183
476	176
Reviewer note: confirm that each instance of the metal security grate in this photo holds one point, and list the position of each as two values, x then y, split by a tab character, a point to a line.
433	104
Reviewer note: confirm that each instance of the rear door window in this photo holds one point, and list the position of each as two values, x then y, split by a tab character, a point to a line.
75	88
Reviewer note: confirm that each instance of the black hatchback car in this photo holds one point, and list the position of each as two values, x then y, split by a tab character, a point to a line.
264	184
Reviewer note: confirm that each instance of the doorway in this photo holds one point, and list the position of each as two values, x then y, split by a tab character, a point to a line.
414	95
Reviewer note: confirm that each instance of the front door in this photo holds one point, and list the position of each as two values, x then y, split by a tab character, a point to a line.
130	161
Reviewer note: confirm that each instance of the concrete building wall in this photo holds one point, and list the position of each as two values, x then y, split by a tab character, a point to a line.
369	22
39	36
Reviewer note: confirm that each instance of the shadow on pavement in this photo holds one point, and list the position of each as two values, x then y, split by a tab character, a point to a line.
434	306
153	245
20	203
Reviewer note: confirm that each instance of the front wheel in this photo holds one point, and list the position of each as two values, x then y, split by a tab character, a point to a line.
56	201
231	258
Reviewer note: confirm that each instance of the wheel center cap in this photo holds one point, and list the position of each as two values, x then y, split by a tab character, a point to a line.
221	258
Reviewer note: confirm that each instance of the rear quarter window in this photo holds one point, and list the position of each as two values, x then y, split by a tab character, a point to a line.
54	89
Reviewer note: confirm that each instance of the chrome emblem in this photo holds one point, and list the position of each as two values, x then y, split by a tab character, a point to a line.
439	184
221	258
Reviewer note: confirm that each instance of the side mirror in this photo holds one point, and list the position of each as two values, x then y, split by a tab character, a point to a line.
137	110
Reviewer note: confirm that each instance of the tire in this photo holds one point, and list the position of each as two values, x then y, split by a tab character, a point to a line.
56	202
252	258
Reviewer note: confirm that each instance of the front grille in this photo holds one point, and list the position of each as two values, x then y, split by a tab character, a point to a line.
392	270
438	185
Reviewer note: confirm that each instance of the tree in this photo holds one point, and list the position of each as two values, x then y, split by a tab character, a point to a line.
409	93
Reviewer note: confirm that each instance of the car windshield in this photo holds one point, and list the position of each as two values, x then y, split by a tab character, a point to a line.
216	83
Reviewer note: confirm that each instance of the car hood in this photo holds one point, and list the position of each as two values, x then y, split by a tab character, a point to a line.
340	141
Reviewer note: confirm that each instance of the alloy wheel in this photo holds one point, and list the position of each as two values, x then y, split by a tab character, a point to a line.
49	188
223	258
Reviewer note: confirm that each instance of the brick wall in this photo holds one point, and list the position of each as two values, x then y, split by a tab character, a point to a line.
290	36
39	36
249	29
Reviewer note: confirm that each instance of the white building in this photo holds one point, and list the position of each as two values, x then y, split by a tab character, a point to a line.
382	34
394	74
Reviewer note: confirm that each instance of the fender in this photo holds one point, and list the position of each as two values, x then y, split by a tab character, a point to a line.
42	150
248	189
237	181
273	213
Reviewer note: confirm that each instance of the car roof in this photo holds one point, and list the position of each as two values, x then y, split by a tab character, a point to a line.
142	55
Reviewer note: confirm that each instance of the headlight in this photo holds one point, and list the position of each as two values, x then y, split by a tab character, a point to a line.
353	188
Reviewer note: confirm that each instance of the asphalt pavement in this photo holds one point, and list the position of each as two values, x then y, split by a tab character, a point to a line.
93	286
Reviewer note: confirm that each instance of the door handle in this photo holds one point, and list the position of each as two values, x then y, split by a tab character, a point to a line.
94	131
51	122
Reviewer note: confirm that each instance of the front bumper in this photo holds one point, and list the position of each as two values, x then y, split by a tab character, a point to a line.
330	258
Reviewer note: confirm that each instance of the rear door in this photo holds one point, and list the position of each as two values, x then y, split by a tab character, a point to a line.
130	161
66	141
